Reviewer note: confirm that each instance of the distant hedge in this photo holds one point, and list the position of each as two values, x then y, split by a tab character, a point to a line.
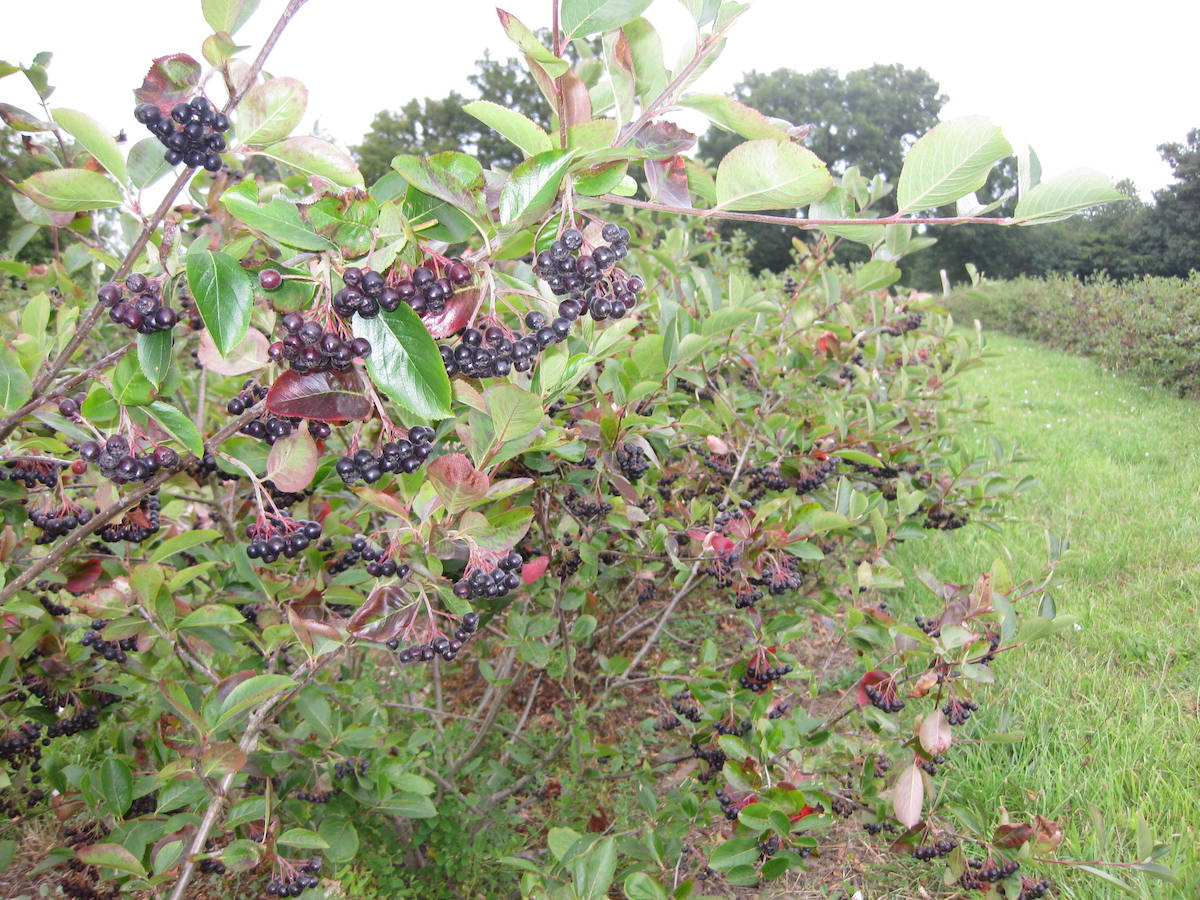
1148	328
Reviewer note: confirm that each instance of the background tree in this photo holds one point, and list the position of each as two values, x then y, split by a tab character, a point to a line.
1171	231
432	126
869	117
17	165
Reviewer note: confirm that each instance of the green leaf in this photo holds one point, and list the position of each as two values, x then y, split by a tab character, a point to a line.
212	614
730	115
1062	197
228	15
146	163
177	425
520	35
767	174
583	17
116	786
251	692
223	295
342	837
94	138
302	838
511	124
436	180
350	221
736	852
640	886
185	541
515	412
154	356
599	867
408	805
878	273
15	386
949	161
271	110
113	856
130	386
19	120
533	185
71	190
218	48
278	220
405	362
317	158
649	71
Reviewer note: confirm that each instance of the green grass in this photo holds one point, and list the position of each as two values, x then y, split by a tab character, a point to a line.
1111	712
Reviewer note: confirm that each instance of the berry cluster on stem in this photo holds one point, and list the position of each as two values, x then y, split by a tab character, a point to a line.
193	132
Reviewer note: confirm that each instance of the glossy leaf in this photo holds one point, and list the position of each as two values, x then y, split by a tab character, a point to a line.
302	838
729	114
223	295
249	355
583	17
405	362
146	163
177	425
114	856
934	733
878	273
531	46
511	124
271	110
15	386
292	462
94	138
1062	197
130	386
154	356
218	48
350	221
251	692
437	181
515	412
228	15
317	158
949	161
169	80
649	70
71	190
116	786
766	174
277	220
533	185
330	396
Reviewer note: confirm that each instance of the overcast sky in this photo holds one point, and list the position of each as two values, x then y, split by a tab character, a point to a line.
1098	84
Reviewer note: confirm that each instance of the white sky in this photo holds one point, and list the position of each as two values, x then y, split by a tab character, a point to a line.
1097	84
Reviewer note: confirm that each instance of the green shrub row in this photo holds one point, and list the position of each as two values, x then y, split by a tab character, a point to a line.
1148	328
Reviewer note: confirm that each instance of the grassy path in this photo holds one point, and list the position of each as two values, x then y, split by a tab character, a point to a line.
1112	713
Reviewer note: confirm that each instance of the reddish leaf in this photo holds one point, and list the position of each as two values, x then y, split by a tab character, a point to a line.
248	356
84	576
578	101
293	460
330	396
909	796
873	677
805	812
666	181
1047	834
460	485
598	822
716	445
662	139
532	570
934	732
169	80
455	316
1013	835
828	344
387	612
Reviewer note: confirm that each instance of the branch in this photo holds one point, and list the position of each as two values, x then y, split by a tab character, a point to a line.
802	223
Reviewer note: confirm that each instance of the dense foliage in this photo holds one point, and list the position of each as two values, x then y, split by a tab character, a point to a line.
1145	327
484	516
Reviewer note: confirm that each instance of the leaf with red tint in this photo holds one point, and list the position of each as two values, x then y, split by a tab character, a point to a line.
666	181
84	575
934	733
455	316
293	460
909	796
532	570
387	612
828	344
459	484
598	822
805	812
662	139
1013	835
169	80
578	102
1047	834
873	677
248	356
329	396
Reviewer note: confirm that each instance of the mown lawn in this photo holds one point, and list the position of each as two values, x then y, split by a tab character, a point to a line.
1111	712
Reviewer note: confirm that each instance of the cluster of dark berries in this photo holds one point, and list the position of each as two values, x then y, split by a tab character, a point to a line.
58	521
588	279
931	765
479	583
816	476
884	697
399	456
980	874
586	509
308	347
210	866
944	519
496	351
138	304
446	648
745	598
71	406
779	577
31	473
55	609
287	499
71	725
193	133
740	729
16	746
909	323
769	847
139	524
685	709
203	466
48	697
993	639
931	625
350	766
120	464
296	882
758	678
143	805
778	710
252	392
632	461
426	289
878	827
113	651
714	756
941	847
280	536
376	558
316	796
667	722
958	711
1033	890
